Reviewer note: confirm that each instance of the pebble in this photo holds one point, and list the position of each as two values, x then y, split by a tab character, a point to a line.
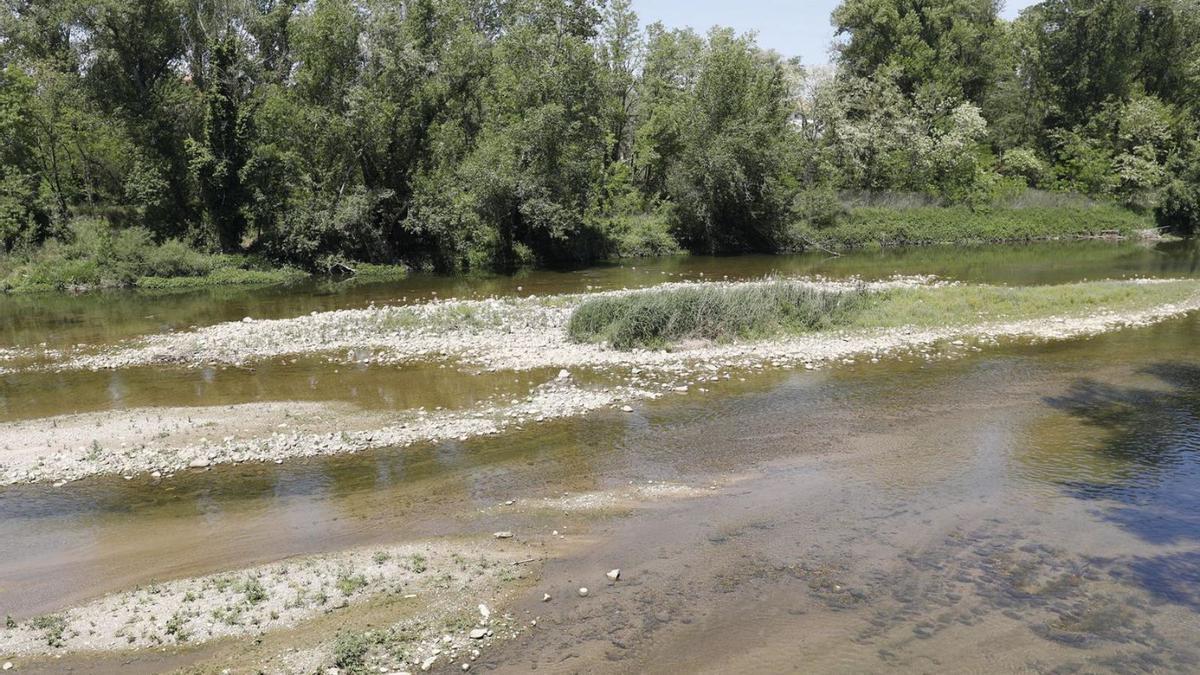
627	408
199	463
545	597
8	665
428	663
583	592
484	611
503	535
478	634
466	667
614	575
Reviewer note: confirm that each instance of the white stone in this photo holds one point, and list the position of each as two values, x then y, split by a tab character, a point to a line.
627	408
503	535
614	575
484	611
478	634
583	592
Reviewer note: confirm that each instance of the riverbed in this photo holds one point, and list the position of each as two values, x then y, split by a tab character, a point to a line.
1005	507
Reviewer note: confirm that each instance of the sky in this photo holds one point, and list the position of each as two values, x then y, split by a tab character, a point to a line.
792	28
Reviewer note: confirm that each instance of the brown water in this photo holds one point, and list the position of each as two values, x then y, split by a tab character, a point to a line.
1026	508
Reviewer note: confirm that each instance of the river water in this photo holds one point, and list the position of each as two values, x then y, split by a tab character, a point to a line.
1021	508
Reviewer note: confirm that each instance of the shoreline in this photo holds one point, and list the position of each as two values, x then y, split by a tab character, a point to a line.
283	274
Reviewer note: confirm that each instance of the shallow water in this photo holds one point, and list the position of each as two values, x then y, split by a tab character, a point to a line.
60	321
1023	508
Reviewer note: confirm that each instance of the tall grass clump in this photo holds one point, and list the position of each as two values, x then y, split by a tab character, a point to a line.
712	312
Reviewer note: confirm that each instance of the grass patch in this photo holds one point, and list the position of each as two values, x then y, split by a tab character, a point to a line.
963	305
54	629
228	276
347	583
716	312
253	590
924	225
351	651
753	311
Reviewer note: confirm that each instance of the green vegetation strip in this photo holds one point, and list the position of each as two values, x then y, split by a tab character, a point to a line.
881	226
757	311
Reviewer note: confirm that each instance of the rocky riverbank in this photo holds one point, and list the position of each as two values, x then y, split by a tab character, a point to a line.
444	581
513	334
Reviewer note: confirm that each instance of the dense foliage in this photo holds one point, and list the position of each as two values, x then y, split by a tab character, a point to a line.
491	133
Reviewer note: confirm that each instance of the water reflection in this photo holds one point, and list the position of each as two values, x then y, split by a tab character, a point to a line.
1149	450
1172	577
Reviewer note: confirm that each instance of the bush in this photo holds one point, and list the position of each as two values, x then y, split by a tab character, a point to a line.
1180	208
960	224
97	255
710	312
818	207
1025	164
351	651
176	259
641	236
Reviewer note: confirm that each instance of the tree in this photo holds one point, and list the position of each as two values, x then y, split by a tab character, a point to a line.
24	213
727	185
224	148
541	151
1087	54
950	46
620	54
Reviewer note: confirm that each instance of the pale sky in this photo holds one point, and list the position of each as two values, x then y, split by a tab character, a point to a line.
799	27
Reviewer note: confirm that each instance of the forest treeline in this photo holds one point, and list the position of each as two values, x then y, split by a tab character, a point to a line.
459	134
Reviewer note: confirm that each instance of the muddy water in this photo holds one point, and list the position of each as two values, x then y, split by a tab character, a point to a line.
1025	508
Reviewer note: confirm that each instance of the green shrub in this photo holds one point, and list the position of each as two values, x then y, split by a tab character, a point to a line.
253	590
350	650
54	627
716	312
641	236
96	255
818	207
959	224
176	259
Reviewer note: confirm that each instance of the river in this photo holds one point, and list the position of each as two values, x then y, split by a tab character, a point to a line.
1025	507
